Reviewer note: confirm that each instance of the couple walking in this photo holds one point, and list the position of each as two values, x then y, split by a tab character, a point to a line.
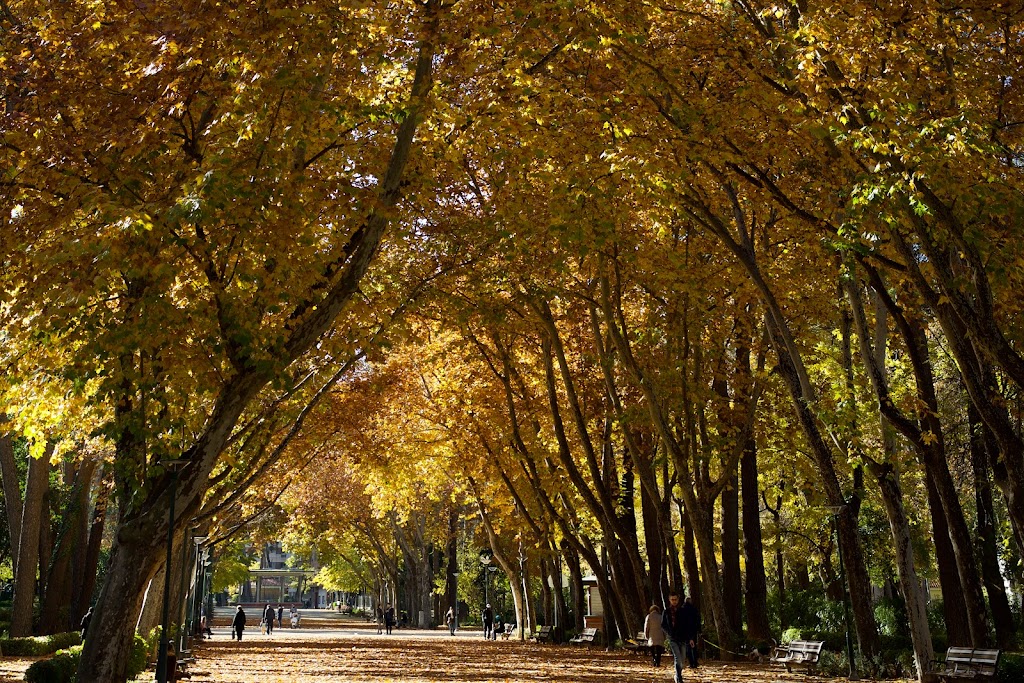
681	625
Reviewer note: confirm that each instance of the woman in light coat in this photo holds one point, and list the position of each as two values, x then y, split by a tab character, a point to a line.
655	634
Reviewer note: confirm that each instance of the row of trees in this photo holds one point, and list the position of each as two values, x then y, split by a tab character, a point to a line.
619	276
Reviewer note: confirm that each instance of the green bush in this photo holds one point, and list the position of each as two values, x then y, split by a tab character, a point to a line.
39	646
1011	668
791	634
60	668
63	666
139	656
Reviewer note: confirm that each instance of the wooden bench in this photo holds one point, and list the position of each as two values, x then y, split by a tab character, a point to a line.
543	635
588	636
638	644
799	653
964	663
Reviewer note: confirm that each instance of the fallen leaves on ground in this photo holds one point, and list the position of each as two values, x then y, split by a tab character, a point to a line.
429	659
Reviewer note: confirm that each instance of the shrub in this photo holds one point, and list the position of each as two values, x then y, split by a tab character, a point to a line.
791	634
139	656
1011	668
39	646
60	668
63	666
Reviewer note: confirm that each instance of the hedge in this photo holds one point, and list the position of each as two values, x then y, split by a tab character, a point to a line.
62	666
39	646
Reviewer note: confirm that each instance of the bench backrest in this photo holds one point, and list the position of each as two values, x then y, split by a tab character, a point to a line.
808	646
544	629
590	633
983	660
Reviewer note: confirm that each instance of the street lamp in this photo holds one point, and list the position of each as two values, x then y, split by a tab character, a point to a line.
455	599
837	510
161	657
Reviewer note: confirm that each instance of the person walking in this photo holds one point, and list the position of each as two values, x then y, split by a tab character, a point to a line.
691	630
488	618
389	619
380	619
499	627
280	616
84	625
238	624
449	618
675	629
268	618
655	634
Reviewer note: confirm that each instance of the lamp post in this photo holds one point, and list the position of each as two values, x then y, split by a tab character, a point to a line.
455	599
836	511
161	657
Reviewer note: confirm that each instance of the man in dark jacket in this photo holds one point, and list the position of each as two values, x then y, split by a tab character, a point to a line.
678	625
269	614
488	618
238	624
85	623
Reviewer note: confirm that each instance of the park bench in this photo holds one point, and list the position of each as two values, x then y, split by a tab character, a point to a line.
638	644
543	635
588	636
799	653
965	663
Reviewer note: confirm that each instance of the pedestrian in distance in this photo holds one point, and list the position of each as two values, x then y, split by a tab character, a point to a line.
449	618
389	619
238	624
84	625
655	634
268	618
380	620
280	616
498	626
488	618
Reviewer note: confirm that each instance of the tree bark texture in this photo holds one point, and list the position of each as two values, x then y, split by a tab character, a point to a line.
32	519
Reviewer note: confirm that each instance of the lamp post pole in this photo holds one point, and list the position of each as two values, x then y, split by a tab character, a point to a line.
455	600
161	656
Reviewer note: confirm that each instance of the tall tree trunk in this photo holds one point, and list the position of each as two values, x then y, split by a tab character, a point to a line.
55	615
954	609
692	566
32	518
87	564
1002	616
576	589
732	578
12	493
917	612
758	628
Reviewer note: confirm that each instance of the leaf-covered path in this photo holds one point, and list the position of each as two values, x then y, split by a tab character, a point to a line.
324	658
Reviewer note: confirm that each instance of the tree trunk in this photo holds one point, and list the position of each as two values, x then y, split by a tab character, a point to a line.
576	589
917	612
758	628
1002	616
110	632
954	608
55	616
12	493
86	566
693	587
732	578
32	518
